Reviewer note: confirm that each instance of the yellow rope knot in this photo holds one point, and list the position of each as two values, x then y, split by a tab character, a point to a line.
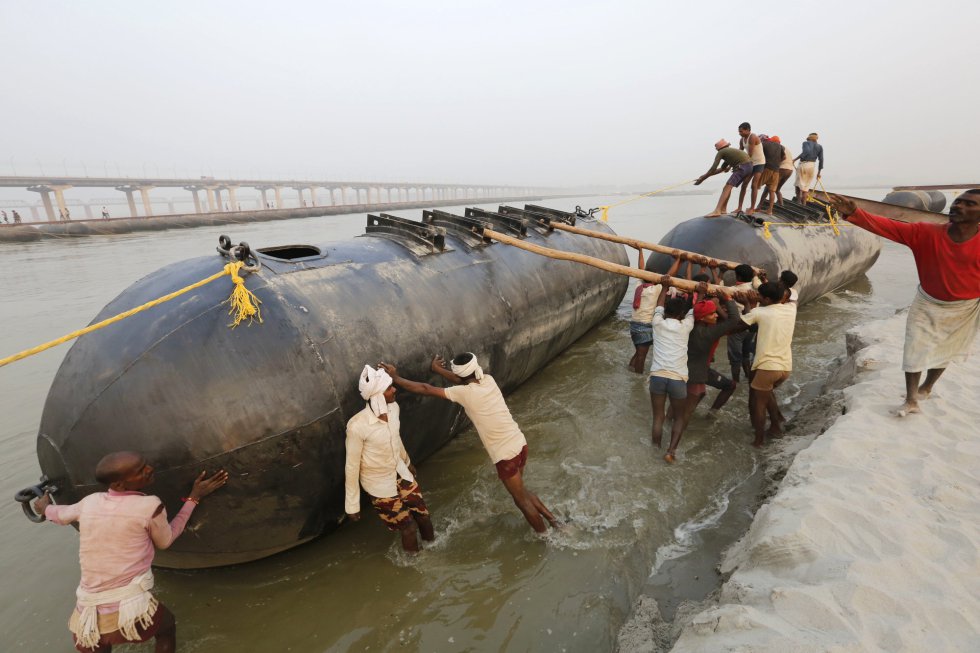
605	213
765	230
244	303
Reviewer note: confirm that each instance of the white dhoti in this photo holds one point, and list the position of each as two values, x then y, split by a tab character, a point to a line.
806	174
938	333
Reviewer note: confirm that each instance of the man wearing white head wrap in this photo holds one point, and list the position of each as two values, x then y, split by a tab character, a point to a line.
372	387
484	404
378	462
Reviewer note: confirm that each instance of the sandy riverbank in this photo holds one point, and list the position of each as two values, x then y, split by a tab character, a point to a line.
871	541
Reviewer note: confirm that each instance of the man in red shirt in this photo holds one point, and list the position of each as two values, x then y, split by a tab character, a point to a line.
945	314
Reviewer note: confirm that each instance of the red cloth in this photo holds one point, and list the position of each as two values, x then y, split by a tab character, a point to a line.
948	271
637	296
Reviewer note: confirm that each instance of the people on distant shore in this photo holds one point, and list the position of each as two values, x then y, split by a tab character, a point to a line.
641	321
773	356
378	462
811	152
5	220
752	145
105	213
945	315
485	407
118	533
16	217
727	158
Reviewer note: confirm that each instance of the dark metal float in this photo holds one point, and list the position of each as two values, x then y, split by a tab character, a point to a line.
269	402
822	259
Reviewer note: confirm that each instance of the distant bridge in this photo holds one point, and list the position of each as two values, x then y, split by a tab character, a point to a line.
334	193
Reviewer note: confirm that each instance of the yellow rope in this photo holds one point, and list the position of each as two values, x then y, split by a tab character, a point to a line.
241	307
605	209
833	224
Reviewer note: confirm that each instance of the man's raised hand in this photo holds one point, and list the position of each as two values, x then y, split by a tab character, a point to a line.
438	363
205	486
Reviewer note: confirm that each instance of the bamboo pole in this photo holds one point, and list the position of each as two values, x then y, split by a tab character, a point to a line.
639	244
651	277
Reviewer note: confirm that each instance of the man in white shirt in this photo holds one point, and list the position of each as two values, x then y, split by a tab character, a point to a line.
673	321
484	405
641	322
773	356
378	462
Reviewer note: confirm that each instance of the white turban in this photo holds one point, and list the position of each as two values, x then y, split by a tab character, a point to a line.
473	367
372	385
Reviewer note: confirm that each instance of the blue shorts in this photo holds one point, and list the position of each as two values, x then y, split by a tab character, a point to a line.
641	333
759	168
740	174
673	388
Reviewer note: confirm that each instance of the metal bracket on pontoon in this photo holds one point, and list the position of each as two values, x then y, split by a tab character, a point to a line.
539	221
554	214
504	223
418	237
468	230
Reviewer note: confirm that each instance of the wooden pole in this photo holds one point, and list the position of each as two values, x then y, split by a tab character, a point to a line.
615	268
639	244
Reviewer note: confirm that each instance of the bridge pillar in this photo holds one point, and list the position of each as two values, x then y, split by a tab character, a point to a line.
34	213
232	200
88	211
210	195
312	196
59	196
45	200
147	205
129	199
265	200
170	206
302	198
197	200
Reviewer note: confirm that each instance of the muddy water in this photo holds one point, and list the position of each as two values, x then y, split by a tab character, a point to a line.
487	584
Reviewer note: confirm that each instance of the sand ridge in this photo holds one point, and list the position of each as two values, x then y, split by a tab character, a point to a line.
871	542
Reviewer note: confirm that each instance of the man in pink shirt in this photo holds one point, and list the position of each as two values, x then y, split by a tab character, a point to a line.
945	314
118	531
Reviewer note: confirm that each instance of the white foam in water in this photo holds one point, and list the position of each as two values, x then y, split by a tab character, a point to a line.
709	516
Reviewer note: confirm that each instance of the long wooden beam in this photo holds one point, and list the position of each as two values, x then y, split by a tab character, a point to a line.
615	268
895	212
938	187
639	244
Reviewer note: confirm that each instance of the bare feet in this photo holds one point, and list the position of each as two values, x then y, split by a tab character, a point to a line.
750	211
924	393
657	442
669	457
908	408
758	443
713	214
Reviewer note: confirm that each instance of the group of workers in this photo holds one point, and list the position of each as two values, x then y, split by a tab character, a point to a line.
763	160
119	529
758	317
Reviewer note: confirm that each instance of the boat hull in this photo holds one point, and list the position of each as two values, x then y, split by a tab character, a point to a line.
269	402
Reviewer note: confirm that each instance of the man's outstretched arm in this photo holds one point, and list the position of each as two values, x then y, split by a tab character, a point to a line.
414	387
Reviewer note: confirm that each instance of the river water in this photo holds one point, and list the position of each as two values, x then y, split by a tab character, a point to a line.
487	583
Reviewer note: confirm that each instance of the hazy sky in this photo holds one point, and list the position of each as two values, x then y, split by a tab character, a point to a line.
556	93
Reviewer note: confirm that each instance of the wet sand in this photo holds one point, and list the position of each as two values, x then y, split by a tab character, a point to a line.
870	541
